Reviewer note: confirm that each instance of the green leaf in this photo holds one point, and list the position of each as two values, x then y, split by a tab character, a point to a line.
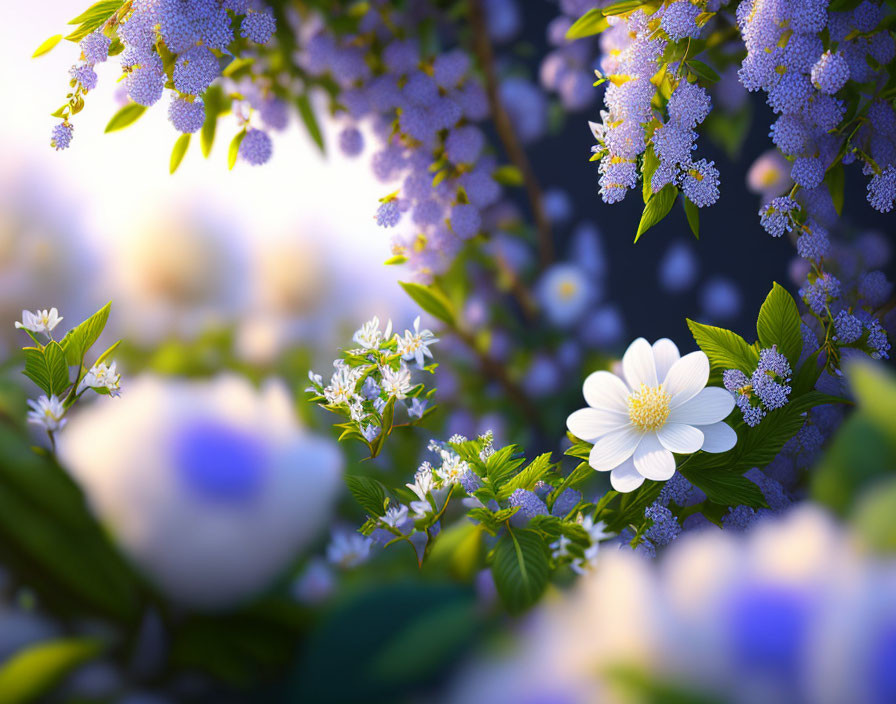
501	465
520	568
214	107
369	493
47	46
179	151
105	355
648	167
47	368
692	213
725	349
33	672
581	473
591	23
234	150
621	7
101	10
725	488
508	175
835	178
656	209
431	300
701	70
126	116
306	112
580	449
873	516
388	418
81	338
527	478
779	324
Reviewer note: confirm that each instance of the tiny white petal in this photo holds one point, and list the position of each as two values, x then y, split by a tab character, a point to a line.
613	449
605	390
709	406
638	364
719	437
665	354
625	477
591	423
652	460
687	377
680	438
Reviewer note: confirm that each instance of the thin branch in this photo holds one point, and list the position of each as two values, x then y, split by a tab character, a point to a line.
507	133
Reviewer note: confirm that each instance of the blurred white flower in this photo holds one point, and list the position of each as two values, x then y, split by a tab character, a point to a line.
40	321
395	516
415	345
100	377
417	407
659	408
769	176
211	487
565	291
47	412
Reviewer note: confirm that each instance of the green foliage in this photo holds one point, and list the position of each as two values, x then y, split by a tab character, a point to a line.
369	493
592	22
47	46
656	209
527	478
33	672
47	367
233	151
309	119
520	568
430	299
81	338
93	18
725	349
125	117
779	324
692	213
179	152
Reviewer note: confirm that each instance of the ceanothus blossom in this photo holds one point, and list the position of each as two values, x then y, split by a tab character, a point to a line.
661	405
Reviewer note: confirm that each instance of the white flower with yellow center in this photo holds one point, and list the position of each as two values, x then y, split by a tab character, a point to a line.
396	382
101	377
660	406
342	385
415	345
369	335
47	412
40	321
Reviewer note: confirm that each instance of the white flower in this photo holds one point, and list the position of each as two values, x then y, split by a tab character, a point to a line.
453	468
101	376
415	345
211	487
342	385
47	413
395	516
369	336
659	408
417	407
317	382
357	412
348	549
424	483
396	383
565	292
40	320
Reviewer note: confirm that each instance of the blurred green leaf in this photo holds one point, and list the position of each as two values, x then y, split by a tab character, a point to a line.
179	152
369	493
126	116
520	568
309	119
47	46
431	300
33	672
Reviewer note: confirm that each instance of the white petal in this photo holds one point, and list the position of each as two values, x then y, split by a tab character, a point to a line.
719	437
605	390
638	364
687	377
680	438
652	460
709	406
625	477
590	423
613	449
665	354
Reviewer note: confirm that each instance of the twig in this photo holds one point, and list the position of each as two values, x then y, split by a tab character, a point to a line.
507	133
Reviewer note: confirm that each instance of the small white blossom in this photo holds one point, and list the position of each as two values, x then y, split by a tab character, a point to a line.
40	320
395	516
453	468
47	412
369	336
417	407
560	547
457	439
317	382
348	549
415	345
342	385
396	383
101	376
488	447
357	412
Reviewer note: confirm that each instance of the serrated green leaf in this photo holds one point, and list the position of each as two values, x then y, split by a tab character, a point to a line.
34	671
179	152
591	23
125	117
656	209
528	477
309	119
580	449
81	338
725	488
47	46
725	349
47	368
779	324
369	493
692	213
431	300
501	465
520	568
234	150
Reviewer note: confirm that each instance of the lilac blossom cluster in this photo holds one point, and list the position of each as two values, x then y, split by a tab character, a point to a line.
179	45
766	389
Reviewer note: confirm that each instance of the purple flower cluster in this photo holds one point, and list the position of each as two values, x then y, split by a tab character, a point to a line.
766	389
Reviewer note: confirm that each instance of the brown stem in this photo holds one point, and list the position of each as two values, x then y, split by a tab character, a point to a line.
504	126
493	369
